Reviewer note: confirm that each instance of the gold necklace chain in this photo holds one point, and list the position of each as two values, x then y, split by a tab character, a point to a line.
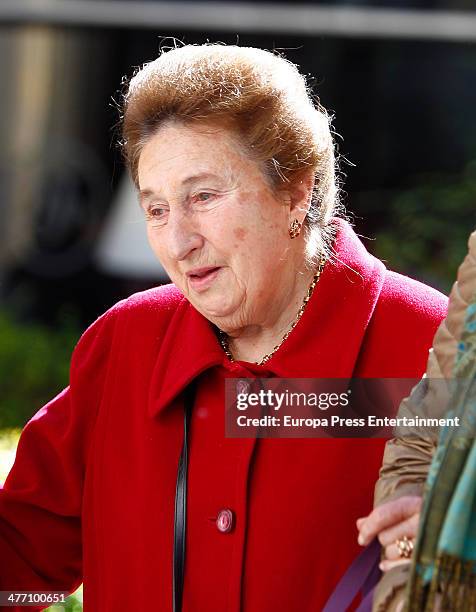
225	342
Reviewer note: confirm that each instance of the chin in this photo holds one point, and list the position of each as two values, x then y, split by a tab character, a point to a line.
214	308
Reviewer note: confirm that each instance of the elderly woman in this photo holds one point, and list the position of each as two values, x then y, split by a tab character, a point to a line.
234	165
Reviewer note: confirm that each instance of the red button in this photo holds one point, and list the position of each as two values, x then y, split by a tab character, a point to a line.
242	386
225	521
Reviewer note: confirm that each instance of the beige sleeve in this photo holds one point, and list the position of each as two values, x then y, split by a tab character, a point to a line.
407	458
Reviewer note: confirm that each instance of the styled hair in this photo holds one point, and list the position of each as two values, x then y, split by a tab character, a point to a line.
261	95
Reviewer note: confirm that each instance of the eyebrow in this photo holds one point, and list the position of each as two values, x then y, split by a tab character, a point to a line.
147	194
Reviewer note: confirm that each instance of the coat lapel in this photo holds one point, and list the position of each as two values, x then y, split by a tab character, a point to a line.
327	340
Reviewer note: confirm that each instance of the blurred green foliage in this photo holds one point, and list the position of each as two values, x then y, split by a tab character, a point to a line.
429	226
34	362
74	603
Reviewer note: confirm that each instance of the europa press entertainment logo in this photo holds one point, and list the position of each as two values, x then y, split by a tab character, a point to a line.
337	408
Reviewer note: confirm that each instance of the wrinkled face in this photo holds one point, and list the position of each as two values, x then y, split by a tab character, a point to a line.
214	223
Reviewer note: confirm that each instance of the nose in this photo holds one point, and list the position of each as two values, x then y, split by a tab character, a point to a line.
183	236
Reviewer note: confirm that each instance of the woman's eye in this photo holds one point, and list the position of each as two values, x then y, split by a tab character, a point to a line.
204	196
156	214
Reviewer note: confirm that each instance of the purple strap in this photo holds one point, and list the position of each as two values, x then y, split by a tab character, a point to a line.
362	576
366	603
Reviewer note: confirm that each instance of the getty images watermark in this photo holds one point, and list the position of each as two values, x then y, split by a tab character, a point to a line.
337	408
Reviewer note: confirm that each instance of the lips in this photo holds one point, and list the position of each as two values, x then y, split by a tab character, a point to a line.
201	279
201	272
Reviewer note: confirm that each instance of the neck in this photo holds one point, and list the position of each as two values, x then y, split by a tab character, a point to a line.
252	342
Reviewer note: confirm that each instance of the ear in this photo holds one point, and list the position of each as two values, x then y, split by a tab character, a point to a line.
298	196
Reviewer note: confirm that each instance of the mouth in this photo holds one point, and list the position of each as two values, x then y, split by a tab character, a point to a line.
200	279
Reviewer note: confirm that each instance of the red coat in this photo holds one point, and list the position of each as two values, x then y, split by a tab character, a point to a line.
91	494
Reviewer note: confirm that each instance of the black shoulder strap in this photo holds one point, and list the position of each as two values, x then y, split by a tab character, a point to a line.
181	505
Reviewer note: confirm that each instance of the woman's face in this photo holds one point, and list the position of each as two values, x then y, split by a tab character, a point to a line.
215	224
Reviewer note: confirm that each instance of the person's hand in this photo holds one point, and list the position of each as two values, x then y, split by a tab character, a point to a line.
391	522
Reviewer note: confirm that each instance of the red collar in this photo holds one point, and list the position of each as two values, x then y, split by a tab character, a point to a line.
324	344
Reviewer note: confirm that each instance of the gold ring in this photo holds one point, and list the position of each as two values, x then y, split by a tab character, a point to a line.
405	547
